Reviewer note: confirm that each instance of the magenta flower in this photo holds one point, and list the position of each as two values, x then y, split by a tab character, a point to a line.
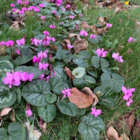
42	55
63	9
41	5
93	36
61	23
36	9
31	8
47	78
117	57
66	92
30	76
54	12
83	33
53	39
12	5
67	6
36	59
109	25
81	15
77	27
21	12
95	112
24	9
42	17
26	2
29	112
9	43
14	10
2	43
46	33
101	53
19	1
129	102
69	46
41	77
58	4
43	66
132	40
17	50
52	0
36	41
71	17
20	42
52	26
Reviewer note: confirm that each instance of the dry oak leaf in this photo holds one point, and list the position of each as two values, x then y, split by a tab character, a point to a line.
81	99
84	25
126	123
69	73
136	130
112	134
123	137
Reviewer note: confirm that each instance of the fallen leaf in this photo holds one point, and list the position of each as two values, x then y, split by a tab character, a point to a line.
87	90
67	41
5	112
84	25
44	128
14	26
112	134
102	31
94	29
126	123
72	4
54	47
123	137
102	21
64	46
32	132
69	73
81	99
136	130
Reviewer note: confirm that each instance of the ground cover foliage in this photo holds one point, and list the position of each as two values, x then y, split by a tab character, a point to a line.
57	70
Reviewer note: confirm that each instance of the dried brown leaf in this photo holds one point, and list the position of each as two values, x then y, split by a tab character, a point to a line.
14	26
67	41
44	128
123	137
54	47
5	112
64	46
69	73
112	134
136	130
79	98
102	21
84	25
87	90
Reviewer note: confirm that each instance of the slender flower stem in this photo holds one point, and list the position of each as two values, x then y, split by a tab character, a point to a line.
11	53
119	68
20	52
100	61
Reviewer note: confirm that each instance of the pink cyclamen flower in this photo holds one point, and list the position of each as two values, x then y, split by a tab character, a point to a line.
81	15
52	26
117	57
14	9
129	102
93	36
24	9
66	92
12	5
63	9
83	33
2	43
9	43
31	8
132	40
109	25
69	46
67	6
59	1
54	12
43	66
36	41
36	9
52	0
41	5
42	17
19	1
36	59
46	33
77	26
26	2
61	23
29	112
18	52
101	53
95	112
21	42
42	55
41	77
71	17
21	12
47	78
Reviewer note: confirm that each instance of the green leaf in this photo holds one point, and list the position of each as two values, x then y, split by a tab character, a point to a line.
68	108
114	43
78	72
89	79
6	66
90	127
15	131
107	96
114	81
92	73
7	98
30	69
35	91
84	55
95	62
79	83
108	43
28	52
22	60
47	113
80	62
50	98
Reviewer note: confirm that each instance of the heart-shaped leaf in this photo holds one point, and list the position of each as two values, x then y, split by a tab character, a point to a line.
107	96
35	91
47	113
6	66
50	98
115	81
80	62
78	72
90	127
15	131
68	108
30	69
95	61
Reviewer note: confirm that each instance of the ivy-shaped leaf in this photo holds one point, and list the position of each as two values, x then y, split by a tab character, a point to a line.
90	127
35	91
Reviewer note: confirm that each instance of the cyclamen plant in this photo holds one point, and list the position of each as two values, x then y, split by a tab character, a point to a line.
40	72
